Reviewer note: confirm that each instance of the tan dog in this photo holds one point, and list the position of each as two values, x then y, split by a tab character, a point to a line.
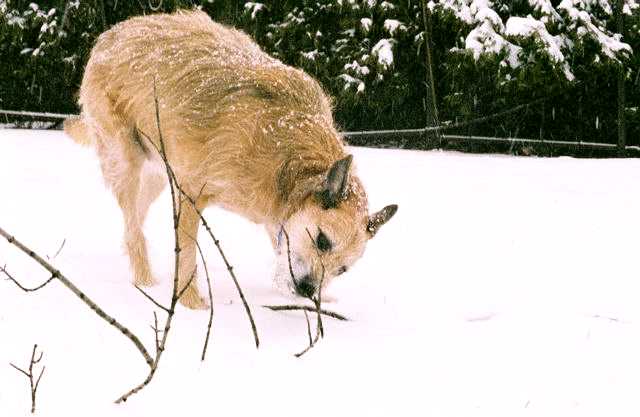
242	131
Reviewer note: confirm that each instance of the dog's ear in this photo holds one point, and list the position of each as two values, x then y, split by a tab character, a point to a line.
376	220
335	183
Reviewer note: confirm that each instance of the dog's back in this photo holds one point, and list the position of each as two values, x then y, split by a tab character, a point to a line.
201	69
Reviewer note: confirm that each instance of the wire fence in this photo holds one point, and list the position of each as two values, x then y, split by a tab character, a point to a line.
428	137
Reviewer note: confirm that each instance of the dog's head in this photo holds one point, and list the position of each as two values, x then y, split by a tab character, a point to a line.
328	234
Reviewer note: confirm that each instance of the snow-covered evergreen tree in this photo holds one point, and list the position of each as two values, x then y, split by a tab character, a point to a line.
526	31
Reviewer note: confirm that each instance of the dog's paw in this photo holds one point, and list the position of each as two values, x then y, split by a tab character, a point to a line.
144	280
192	299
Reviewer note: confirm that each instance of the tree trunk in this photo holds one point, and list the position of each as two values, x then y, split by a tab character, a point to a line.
431	108
622	133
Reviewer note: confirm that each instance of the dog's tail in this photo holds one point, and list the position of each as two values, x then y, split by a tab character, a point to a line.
77	129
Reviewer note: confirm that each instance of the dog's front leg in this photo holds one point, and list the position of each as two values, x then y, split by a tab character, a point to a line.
187	232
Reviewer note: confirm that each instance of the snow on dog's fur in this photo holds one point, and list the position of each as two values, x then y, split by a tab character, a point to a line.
242	131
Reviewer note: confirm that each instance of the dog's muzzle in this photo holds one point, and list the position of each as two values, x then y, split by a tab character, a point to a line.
305	287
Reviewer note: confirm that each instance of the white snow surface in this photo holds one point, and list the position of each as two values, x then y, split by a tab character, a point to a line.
504	286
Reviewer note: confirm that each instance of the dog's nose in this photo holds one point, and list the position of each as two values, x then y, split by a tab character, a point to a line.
305	286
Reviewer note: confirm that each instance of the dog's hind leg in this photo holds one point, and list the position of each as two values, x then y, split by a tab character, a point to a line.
152	182
121	160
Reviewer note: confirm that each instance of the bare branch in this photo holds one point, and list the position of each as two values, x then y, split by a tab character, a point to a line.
286	235
35	388
317	301
176	209
291	307
235	280
206	272
312	343
156	331
19	369
58	251
83	297
30	375
15	281
229	267
306	317
150	298
186	285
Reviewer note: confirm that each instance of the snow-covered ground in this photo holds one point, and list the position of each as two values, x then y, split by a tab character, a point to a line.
504	286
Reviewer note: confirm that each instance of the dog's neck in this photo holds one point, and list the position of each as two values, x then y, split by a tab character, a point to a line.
296	180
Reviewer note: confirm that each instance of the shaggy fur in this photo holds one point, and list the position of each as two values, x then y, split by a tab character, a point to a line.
242	130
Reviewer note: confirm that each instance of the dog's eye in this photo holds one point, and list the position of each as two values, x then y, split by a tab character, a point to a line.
323	243
342	270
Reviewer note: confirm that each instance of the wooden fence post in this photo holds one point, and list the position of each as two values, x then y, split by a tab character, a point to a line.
431	106
622	133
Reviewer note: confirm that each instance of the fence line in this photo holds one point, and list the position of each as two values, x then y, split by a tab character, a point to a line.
526	141
405	133
438	128
38	114
413	133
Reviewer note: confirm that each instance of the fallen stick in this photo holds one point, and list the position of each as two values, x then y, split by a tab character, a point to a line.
291	307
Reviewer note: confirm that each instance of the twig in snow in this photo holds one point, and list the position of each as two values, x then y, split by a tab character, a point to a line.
160	343
317	301
306	317
206	272
176	209
58	251
55	274
150	298
25	289
34	383
291	307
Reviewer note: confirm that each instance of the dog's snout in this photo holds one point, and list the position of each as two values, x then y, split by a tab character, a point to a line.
305	286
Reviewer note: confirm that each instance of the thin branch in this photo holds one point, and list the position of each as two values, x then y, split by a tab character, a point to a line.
83	297
317	301
206	272
306	317
58	251
176	209
19	369
150	298
286	235
35	388
30	375
291	307
156	331
319	329
312	343
235	281
15	281
173	178
186	285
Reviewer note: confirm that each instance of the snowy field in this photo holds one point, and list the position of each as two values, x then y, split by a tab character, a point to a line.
504	286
